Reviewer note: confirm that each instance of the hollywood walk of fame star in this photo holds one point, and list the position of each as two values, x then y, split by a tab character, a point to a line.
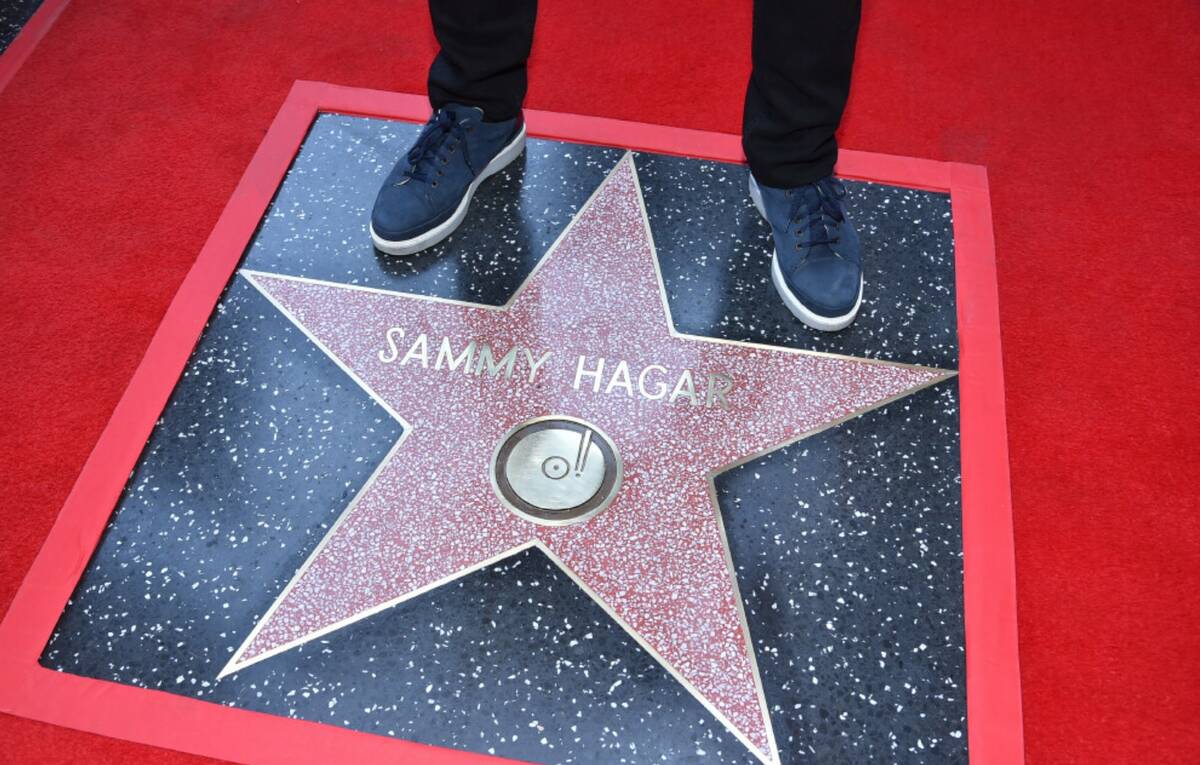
655	557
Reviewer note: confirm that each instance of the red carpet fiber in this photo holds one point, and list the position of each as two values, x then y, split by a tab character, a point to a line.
124	133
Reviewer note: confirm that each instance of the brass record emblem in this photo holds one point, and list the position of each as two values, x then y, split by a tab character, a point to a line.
556	470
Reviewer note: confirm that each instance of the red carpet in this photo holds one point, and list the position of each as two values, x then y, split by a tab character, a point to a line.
124	133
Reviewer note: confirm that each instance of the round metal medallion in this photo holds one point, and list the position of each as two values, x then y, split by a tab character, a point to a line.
556	470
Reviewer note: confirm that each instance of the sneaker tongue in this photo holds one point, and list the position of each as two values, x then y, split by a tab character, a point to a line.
805	200
809	193
462	112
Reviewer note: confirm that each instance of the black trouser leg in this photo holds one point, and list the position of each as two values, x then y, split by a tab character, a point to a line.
485	44
802	53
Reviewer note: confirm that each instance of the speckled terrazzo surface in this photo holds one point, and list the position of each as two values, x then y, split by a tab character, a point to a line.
14	14
715	254
846	545
317	226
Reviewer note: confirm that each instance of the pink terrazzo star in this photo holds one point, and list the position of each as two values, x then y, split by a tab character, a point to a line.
656	558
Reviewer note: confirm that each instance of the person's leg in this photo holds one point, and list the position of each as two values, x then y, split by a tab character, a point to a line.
484	47
476	87
802	52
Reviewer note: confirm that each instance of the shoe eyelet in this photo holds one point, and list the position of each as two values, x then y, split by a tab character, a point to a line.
434	184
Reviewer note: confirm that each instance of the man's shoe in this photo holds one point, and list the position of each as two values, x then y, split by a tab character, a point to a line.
426	195
817	266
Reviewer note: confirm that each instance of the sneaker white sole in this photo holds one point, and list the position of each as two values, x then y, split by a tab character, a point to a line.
446	227
814	320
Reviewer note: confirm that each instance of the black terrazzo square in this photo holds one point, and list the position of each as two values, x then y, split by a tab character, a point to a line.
14	15
847	545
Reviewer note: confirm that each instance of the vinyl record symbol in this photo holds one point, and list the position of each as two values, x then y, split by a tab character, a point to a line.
556	470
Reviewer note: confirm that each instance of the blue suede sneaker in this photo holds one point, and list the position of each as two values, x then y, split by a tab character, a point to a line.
817	267
426	195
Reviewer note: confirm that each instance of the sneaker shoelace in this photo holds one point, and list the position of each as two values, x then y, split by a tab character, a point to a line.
440	137
818	214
